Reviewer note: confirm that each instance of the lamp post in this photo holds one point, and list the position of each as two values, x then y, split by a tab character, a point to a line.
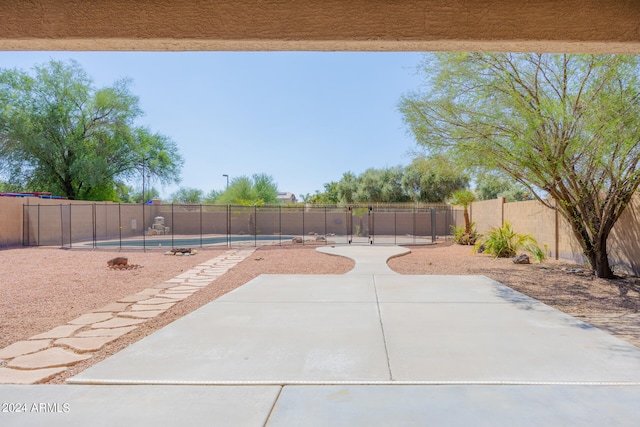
148	186
226	176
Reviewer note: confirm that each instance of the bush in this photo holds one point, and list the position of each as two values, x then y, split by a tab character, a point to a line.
504	242
460	237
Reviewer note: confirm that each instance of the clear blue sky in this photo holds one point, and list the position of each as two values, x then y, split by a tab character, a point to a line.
304	118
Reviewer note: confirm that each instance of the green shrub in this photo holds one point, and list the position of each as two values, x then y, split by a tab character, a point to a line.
504	242
460	237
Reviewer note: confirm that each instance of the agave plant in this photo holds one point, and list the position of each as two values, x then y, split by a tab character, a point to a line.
504	242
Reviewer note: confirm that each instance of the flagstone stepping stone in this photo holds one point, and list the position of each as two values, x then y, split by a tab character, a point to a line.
49	358
32	376
183	289
23	347
112	332
112	307
147	307
201	284
174	296
133	298
166	285
153	301
148	291
148	314
116	323
85	344
58	332
89	318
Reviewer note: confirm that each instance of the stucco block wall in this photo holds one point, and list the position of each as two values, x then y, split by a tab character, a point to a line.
536	219
554	232
10	221
486	214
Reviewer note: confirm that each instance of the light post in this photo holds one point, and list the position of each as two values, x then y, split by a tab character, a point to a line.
226	176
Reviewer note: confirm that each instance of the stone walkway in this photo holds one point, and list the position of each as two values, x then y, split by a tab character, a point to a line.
45	355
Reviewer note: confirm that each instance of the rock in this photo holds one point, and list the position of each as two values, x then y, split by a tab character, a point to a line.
521	259
482	248
121	260
320	239
297	240
181	250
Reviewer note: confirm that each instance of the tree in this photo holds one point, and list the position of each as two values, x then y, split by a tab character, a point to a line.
567	127
59	133
187	195
347	187
211	196
380	185
328	197
265	189
255	191
492	186
433	179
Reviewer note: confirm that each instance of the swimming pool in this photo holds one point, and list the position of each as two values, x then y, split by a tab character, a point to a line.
168	242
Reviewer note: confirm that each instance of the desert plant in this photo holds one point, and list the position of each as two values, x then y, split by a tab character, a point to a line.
504	242
462	237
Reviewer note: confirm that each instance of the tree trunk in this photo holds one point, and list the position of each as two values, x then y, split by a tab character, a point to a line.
467	221
600	260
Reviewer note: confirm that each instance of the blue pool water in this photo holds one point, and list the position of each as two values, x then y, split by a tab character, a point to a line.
187	242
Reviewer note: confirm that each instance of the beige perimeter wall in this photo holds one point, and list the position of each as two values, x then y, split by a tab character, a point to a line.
553	232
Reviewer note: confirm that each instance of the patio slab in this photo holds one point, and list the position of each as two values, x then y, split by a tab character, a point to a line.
304	288
254	343
144	406
463	406
374	329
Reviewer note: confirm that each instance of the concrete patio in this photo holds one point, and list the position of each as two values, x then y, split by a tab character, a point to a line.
366	348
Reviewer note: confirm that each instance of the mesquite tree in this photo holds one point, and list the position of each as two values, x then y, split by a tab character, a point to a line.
567	127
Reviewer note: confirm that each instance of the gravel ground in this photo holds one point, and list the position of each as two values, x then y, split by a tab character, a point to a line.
42	288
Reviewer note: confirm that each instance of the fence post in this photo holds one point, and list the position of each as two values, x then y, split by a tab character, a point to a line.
371	225
144	229
200	225
38	224
70	229
93	209
120	223
280	225
325	225
433	225
557	236
173	229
